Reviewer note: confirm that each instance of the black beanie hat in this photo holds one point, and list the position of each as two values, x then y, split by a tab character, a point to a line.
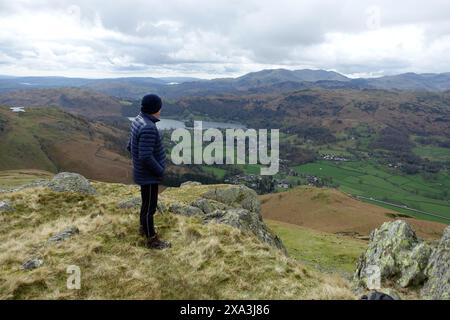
151	103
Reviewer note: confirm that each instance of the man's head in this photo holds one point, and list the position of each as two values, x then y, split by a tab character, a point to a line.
151	104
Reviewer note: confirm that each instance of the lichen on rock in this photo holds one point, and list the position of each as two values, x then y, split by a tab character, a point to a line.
438	270
398	255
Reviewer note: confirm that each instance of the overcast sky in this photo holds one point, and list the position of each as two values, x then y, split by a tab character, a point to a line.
214	38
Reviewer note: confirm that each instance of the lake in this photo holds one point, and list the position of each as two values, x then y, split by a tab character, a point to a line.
170	124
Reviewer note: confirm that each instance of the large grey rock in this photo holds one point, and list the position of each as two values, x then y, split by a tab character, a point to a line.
245	220
190	184
132	203
32	264
413	265
183	209
438	271
67	233
208	206
71	182
235	196
5	206
395	254
237	206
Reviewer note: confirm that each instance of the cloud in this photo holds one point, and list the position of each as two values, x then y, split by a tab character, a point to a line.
222	38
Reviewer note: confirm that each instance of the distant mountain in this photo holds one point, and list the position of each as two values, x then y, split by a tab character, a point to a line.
413	81
119	87
16	83
273	76
83	102
265	81
53	140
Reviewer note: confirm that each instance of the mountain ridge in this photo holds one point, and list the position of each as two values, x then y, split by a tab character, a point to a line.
133	87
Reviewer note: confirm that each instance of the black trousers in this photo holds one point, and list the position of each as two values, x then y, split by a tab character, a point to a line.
149	195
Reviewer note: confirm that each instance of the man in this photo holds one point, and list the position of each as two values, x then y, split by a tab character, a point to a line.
149	158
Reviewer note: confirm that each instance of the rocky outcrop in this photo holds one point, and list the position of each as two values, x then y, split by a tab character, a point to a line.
235	205
394	254
130	203
5	206
236	196
32	264
438	271
65	234
190	184
70	182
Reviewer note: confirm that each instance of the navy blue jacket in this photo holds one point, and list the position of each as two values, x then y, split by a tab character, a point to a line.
147	150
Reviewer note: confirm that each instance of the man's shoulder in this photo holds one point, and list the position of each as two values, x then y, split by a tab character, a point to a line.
141	124
149	126
149	129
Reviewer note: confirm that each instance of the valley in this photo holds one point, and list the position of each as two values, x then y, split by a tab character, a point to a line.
52	140
384	147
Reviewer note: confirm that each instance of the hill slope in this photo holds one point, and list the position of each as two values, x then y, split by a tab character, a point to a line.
206	261
78	101
332	211
422	113
52	140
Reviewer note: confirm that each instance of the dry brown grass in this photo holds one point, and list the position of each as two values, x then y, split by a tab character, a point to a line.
332	211
207	261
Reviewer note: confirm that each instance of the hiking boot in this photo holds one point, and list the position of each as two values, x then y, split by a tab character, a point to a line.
158	244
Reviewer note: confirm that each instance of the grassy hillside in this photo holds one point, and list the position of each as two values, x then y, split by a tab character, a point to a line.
78	101
324	251
332	211
52	140
338	109
16	178
370	181
207	261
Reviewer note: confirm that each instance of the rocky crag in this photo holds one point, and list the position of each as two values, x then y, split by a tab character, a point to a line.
396	258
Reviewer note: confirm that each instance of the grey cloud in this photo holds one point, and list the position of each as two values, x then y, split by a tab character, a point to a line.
228	37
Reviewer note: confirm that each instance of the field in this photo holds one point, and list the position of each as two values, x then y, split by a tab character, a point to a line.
433	153
376	183
16	178
324	251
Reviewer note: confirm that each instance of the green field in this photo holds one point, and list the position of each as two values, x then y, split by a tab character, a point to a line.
324	251
16	178
218	172
433	153
373	181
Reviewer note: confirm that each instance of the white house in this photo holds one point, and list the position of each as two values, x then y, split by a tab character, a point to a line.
17	109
